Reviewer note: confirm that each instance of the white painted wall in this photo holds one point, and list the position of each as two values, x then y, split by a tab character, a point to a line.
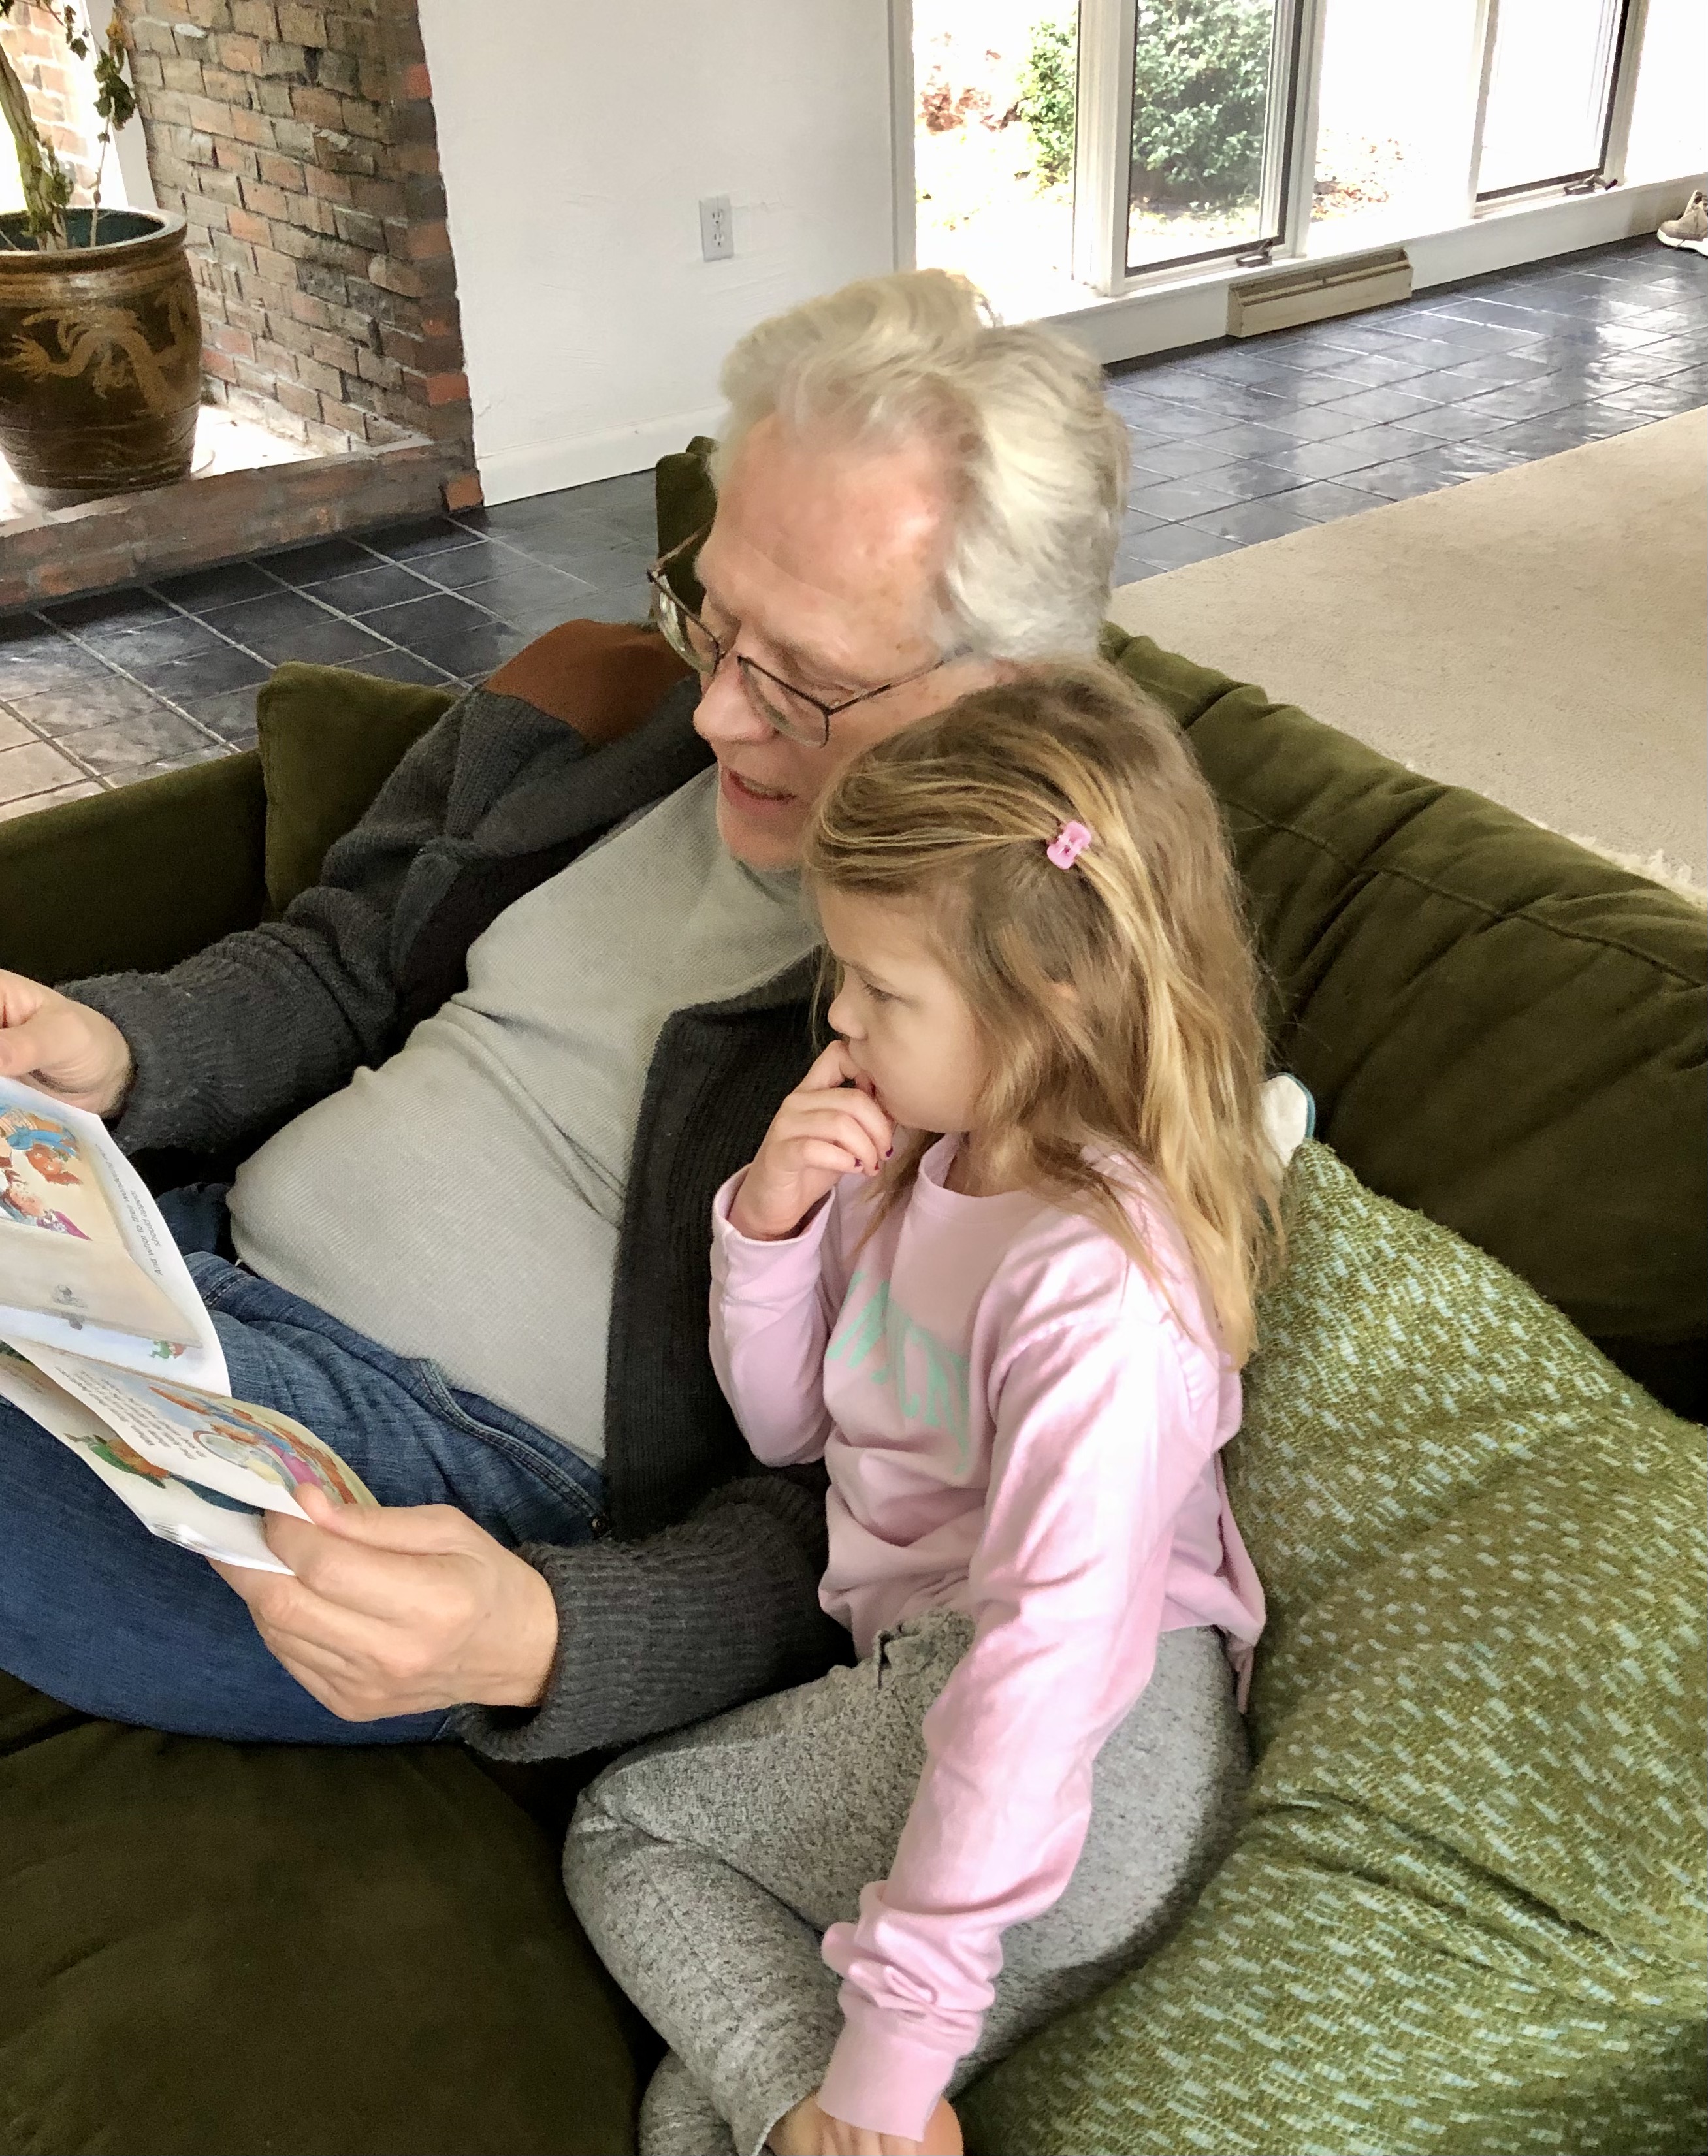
576	138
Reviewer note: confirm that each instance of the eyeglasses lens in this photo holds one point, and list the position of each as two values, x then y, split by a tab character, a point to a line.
687	635
791	714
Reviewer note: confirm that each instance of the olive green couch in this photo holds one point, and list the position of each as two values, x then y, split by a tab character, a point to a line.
213	1950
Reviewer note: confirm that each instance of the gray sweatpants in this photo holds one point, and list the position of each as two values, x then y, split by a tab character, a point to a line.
707	1866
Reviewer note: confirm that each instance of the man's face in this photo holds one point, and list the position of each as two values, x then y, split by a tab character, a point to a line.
821	567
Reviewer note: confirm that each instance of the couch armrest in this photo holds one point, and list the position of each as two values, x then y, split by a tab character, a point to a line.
137	878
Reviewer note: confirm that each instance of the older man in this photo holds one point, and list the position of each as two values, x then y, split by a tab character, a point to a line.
545	997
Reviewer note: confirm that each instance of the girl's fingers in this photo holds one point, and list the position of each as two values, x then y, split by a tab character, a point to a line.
824	1156
840	1129
869	1115
834	1067
836	1070
861	1120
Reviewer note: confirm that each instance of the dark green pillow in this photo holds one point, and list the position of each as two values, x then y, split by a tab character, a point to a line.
1501	1030
329	739
686	502
1465	1910
140	877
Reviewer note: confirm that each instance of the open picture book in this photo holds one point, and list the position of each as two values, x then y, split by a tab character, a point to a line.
104	1342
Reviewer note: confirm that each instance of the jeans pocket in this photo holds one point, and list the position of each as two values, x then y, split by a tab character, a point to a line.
570	1480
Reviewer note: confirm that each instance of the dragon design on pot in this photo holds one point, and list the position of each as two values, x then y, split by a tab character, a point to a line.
111	342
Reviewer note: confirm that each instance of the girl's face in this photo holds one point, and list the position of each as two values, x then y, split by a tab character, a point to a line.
908	1028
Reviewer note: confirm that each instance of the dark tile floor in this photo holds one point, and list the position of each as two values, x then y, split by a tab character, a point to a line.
1237	443
1232	444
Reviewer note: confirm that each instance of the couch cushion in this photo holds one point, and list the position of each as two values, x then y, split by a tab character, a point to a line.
329	738
1466	1908
104	883
222	1949
1501	1028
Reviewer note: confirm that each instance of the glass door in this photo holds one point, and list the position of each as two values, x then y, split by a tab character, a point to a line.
1548	95
1211	98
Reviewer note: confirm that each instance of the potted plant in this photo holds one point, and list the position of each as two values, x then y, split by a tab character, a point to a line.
100	338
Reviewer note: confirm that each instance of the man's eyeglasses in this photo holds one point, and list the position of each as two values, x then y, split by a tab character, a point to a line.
779	703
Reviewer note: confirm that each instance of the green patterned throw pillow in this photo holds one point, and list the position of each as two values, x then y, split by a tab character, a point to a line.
1464	1914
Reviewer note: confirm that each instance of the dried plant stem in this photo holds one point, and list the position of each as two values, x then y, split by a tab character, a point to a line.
47	185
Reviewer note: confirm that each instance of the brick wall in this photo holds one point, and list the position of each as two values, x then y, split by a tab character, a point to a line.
60	92
299	142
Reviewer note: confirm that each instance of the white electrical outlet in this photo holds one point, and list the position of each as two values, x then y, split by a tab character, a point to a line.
717	229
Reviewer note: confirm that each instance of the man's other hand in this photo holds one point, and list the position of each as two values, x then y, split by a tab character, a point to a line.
60	1047
402	1610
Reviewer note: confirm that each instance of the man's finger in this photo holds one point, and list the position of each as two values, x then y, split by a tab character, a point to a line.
21	1047
366	1578
266	1592
20	998
430	1530
327	1678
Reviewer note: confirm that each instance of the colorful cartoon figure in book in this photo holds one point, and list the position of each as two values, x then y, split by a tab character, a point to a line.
49	1165
116	1453
19	1202
50	1147
233	1435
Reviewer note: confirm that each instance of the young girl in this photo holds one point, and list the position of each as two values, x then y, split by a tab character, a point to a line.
1014	1346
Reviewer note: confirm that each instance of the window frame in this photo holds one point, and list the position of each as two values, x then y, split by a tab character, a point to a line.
1621	92
1539	219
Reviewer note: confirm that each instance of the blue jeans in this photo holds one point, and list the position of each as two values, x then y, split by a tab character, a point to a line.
97	1612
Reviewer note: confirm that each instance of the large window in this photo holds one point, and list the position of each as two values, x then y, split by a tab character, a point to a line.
1209	127
1112	144
1550	72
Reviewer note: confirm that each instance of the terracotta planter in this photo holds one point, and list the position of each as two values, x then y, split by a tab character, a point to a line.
100	358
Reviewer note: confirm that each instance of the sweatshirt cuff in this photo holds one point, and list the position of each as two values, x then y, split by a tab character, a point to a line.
884	2075
729	1243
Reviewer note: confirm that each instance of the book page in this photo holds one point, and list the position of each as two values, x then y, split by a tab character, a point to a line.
231	1447
86	1261
220	1527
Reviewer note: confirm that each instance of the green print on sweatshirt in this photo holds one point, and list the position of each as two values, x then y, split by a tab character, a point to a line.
930	1385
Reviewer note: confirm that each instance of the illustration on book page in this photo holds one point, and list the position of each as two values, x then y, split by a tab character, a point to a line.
86	1261
199	1519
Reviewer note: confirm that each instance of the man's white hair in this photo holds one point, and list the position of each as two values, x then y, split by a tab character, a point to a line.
1037	461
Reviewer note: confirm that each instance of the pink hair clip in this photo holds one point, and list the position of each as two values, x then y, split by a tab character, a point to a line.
1065	848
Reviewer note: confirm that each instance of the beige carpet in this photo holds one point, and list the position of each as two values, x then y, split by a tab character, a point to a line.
1537	634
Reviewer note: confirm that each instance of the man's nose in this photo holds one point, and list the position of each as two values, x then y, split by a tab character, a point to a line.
726	712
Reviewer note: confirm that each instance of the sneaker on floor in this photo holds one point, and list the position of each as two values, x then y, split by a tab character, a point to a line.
1691	228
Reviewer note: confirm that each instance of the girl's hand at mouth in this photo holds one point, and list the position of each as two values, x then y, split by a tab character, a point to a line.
829	1126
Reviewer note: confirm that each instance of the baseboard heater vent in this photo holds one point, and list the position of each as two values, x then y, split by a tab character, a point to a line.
1314	293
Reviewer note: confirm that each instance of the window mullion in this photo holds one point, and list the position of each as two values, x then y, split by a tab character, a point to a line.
1623	98
1488	29
1302	94
1103	137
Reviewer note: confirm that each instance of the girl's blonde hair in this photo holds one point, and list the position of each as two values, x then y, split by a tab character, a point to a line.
1117	999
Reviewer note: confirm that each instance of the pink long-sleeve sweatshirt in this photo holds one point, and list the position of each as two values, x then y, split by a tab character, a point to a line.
1019	1425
